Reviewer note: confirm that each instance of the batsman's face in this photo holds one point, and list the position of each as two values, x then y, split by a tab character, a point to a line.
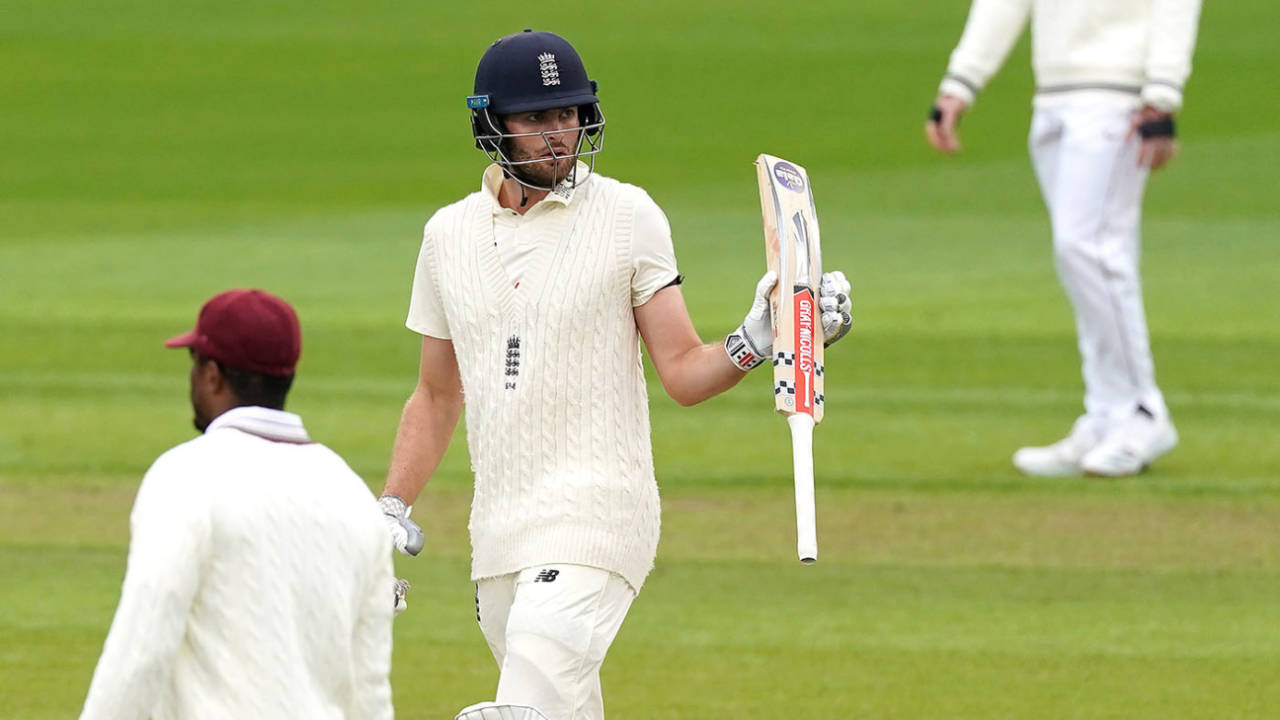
552	145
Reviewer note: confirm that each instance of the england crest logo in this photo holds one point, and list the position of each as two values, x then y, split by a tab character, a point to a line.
550	71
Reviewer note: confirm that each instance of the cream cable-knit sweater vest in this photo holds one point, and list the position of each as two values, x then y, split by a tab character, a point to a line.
557	414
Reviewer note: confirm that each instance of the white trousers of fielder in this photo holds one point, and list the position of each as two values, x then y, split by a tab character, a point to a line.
549	628
1087	165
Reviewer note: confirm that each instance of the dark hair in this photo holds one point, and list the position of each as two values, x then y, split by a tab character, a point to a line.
253	388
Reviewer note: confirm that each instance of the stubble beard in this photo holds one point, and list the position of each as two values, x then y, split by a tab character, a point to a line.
545	174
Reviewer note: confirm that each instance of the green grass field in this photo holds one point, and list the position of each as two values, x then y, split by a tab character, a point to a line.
154	153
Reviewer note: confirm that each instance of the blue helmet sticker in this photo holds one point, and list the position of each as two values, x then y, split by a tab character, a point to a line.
789	176
475	102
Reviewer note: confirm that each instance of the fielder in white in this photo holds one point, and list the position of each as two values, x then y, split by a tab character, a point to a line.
1109	76
532	296
259	583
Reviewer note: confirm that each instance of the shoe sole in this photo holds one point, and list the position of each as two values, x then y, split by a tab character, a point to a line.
1139	471
1076	472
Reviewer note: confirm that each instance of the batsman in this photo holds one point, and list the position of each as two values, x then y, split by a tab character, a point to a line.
532	295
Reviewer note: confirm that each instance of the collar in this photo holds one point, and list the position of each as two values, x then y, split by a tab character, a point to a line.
276	425
562	194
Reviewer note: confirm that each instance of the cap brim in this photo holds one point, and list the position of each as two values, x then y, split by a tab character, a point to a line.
186	339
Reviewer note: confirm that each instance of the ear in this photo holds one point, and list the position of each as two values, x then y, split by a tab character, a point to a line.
217	381
206	373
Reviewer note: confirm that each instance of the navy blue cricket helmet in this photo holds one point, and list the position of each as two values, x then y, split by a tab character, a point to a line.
532	71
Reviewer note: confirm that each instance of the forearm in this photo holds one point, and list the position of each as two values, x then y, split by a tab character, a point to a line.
699	373
426	426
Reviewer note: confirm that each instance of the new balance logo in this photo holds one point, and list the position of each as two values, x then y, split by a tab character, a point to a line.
547	576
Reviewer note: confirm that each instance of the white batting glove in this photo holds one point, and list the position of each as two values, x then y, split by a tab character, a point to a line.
406	536
833	300
401	590
752	342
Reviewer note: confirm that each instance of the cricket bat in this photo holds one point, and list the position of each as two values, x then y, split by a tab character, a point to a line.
793	250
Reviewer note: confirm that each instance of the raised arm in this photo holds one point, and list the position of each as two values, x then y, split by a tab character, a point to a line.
690	370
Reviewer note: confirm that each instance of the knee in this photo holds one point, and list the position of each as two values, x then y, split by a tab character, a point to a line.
1073	250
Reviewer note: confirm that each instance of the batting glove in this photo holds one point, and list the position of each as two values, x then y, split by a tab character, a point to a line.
833	299
752	342
494	711
405	533
401	590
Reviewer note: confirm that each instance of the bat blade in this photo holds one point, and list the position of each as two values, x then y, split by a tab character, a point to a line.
793	250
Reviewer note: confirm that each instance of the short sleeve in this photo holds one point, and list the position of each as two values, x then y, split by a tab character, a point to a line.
426	309
653	258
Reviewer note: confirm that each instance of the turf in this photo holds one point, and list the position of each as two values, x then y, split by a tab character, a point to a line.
154	154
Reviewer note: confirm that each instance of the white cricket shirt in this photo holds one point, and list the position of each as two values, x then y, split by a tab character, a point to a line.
557	413
1134	49
522	240
259	584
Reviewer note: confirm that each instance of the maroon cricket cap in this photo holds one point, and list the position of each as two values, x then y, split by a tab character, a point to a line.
246	329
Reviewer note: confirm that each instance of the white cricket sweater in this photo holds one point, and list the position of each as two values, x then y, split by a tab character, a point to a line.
1139	48
557	413
259	584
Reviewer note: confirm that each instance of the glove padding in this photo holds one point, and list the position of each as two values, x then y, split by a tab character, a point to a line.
494	711
752	342
406	536
836	307
401	590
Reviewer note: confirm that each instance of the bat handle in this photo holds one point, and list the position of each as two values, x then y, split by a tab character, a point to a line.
802	457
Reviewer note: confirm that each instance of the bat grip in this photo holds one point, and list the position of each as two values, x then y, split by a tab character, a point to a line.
802	458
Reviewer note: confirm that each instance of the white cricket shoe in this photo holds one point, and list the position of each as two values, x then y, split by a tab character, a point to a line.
1131	445
1063	458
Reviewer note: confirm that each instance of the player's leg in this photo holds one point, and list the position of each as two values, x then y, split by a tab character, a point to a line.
1120	241
1142	429
494	597
1095	210
1048	154
1095	162
561	625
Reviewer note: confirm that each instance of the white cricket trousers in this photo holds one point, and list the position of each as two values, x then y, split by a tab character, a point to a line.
1088	169
549	628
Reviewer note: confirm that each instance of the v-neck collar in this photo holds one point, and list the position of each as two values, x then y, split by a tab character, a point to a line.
551	209
562	194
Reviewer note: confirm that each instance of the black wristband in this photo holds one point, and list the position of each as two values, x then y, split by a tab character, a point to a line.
1157	129
935	114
